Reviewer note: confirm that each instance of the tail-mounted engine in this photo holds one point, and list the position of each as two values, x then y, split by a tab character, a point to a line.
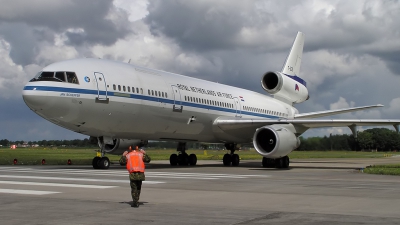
290	88
274	141
117	146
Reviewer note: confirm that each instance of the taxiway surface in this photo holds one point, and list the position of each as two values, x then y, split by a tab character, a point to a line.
321	191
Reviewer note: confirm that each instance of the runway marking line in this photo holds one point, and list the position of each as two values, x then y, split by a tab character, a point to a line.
27	192
57	184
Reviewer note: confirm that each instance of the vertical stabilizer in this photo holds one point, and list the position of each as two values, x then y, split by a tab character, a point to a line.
293	61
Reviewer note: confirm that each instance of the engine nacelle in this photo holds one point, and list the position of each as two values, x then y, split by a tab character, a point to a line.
275	141
117	146
291	88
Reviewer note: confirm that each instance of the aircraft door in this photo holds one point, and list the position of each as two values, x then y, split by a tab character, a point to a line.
101	87
237	107
177	107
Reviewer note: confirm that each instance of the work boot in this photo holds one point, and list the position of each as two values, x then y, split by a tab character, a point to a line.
135	205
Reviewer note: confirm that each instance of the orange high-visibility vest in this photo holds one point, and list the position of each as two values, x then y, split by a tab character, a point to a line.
135	162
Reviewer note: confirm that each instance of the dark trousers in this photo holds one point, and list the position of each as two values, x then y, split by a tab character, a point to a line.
136	186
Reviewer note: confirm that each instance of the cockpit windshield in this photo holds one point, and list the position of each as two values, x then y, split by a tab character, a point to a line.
58	76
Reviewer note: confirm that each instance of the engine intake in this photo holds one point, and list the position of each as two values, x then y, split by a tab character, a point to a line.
274	141
291	88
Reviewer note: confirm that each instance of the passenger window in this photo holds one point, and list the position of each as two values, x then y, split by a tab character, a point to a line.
60	76
124	88
163	95
166	95
159	93
129	89
152	92
114	87
141	91
119	87
71	78
133	90
149	92
156	93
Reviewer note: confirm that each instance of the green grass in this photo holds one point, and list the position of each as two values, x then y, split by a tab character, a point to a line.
59	156
390	169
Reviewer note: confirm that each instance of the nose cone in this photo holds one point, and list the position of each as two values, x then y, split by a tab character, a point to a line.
35	100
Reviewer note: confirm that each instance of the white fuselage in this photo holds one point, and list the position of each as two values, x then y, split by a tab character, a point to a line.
163	106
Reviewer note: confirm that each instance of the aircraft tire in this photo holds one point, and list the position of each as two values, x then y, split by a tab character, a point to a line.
235	160
95	162
173	159
192	159
279	163
104	163
183	159
227	160
285	162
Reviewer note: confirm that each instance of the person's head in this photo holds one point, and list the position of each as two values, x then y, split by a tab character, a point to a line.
137	148
130	148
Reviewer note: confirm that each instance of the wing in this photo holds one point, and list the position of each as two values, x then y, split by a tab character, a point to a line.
230	124
333	112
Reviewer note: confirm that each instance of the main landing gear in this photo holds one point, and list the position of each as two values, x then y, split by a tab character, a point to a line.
231	159
100	161
182	158
276	163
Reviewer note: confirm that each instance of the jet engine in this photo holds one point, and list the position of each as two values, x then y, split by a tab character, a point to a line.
291	88
275	141
117	146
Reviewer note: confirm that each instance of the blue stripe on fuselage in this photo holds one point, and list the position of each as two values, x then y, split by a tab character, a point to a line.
144	97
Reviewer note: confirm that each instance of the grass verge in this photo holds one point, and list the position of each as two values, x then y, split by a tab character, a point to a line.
390	169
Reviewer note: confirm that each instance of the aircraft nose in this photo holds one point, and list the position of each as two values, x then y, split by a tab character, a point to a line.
36	100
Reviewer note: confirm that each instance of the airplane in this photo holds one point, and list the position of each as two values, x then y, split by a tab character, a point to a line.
121	104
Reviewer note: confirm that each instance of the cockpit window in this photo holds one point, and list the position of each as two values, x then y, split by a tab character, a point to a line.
71	78
61	76
58	76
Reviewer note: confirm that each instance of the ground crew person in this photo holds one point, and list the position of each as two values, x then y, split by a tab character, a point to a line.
135	165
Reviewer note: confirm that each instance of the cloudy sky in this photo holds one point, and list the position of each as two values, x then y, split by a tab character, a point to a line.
351	55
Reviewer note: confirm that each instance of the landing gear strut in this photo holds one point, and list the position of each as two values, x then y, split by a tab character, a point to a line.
276	163
182	158
231	158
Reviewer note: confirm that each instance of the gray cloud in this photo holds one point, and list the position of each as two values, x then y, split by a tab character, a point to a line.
351	50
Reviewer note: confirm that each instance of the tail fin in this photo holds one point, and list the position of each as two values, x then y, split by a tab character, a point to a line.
293	61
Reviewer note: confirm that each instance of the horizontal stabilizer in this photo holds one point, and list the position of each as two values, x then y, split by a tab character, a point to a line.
333	112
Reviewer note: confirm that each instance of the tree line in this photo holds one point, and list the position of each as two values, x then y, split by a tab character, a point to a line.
46	143
380	139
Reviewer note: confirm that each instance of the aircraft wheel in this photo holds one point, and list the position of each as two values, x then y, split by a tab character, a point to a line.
183	159
192	159
279	163
95	162
265	162
285	162
104	163
227	160
173	159
235	160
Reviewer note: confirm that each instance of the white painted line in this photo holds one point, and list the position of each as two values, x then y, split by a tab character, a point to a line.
27	192
57	184
148	174
76	179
